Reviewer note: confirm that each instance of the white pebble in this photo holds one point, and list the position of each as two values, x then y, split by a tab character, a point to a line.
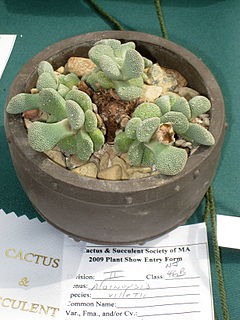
206	122
204	115
179	142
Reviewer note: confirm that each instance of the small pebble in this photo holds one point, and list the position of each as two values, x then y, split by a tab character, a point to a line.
187	93
118	161
139	169
186	144
124	156
150	93
80	66
34	91
73	162
95	108
104	161
57	157
99	121
95	160
87	170
204	116
27	123
179	142
206	122
61	70
124	122
196	120
139	175
112	173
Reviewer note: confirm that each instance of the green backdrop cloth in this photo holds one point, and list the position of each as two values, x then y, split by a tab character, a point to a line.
208	28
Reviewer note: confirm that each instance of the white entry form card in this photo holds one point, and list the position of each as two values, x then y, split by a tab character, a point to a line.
6	45
168	278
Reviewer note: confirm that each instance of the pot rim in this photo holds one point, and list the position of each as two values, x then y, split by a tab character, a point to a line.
50	168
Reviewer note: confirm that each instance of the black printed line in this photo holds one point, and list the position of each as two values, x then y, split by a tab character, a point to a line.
187	278
117	280
158	305
153	247
190	286
168	314
141	298
142	289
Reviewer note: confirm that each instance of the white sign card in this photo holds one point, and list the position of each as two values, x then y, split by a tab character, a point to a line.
31	260
228	231
6	45
46	275
168	278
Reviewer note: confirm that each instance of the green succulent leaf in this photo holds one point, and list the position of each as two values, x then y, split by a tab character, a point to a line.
122	142
99	80
23	102
198	134
147	128
135	153
75	114
120	51
97	138
127	92
46	80
131	127
84	145
44	136
179	121
148	158
147	110
113	43
52	118
173	98
136	82
147	63
110	68
169	160
63	90
181	105
81	98
133	65
69	80
68	145
53	103
44	66
164	103
96	52
199	105
90	121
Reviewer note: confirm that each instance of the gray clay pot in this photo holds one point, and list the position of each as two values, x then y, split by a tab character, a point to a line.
116	212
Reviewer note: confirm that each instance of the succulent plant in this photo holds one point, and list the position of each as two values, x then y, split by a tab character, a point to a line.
119	66
140	139
23	102
71	123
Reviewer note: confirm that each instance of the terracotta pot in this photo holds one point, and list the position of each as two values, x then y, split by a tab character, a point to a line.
116	212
